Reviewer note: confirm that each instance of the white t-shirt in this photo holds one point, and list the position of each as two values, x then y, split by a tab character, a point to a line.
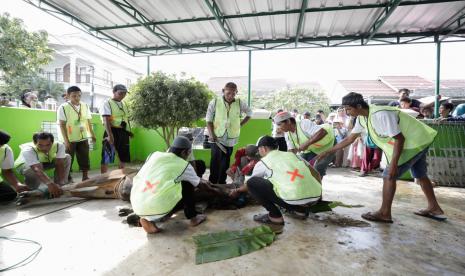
275	133
61	111
308	127
105	108
30	156
8	162
190	176
385	123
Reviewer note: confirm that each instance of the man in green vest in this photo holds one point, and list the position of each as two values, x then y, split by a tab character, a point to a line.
6	166
41	155
76	127
224	126
307	138
165	182
115	117
281	179
405	142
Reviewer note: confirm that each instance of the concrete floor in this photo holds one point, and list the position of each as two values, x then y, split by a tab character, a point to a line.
88	238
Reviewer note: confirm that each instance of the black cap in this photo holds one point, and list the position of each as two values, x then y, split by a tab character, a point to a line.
120	87
267	141
4	138
181	142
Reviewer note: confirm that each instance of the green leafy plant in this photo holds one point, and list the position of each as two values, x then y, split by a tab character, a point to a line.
161	101
22	53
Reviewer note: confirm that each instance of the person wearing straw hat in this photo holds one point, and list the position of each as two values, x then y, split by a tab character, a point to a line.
405	142
165	182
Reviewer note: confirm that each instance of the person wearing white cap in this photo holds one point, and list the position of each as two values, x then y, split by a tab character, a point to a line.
307	138
165	182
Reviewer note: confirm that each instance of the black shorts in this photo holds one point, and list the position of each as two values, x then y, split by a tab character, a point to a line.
121	139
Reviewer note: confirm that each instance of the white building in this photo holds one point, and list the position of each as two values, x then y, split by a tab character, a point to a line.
82	62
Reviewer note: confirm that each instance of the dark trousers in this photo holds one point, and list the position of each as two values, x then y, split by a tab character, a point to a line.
7	193
262	190
187	202
81	150
219	163
282	146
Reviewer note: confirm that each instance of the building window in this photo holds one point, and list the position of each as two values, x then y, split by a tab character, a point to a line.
106	77
84	76
59	74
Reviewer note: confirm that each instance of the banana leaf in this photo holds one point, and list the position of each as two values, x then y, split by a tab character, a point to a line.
229	244
325	206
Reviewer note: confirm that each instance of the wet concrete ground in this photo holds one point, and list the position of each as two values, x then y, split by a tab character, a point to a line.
88	238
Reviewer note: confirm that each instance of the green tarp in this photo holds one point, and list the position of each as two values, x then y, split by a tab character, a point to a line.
229	244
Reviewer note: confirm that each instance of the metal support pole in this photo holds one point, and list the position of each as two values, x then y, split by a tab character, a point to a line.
250	79
92	90
148	65
438	77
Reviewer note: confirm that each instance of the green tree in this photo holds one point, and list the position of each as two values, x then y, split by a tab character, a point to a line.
162	101
302	99
22	53
37	83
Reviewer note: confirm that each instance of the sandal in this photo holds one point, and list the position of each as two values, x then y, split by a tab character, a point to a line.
372	217
276	227
428	214
298	215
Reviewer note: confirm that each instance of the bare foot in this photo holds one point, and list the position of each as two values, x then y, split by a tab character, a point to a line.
148	226
198	219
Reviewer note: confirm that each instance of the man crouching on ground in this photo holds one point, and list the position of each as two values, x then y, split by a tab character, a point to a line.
164	182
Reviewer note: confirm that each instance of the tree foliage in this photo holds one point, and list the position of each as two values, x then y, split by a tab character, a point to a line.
37	83
162	101
22	52
302	99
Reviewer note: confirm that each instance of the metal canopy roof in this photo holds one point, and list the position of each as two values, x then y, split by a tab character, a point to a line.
158	27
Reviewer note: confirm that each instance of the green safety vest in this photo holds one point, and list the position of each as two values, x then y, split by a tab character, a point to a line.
418	136
43	158
299	138
156	189
119	113
227	118
291	178
76	122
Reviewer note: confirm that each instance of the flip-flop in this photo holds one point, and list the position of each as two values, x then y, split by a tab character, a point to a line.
370	217
430	215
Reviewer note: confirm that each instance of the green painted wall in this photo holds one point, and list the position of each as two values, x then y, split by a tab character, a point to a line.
22	123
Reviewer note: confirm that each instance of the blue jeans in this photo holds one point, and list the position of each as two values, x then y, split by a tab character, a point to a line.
417	165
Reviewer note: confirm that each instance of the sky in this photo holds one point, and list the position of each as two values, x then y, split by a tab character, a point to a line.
324	65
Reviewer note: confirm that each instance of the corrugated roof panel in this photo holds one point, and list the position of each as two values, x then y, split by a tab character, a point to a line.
135	37
95	13
410	16
420	18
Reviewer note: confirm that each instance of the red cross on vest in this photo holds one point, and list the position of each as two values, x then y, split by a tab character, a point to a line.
295	174
149	186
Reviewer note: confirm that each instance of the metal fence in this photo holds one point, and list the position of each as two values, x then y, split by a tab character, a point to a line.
446	156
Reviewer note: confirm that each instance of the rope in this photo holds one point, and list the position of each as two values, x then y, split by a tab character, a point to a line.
13	223
28	259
